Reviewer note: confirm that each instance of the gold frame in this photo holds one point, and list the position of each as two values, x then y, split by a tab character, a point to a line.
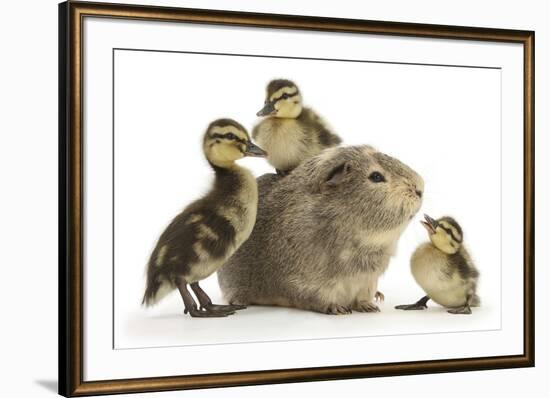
71	16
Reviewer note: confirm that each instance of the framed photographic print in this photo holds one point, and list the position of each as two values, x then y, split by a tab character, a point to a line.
251	198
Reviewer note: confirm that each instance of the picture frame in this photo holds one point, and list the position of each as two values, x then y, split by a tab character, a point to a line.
73	206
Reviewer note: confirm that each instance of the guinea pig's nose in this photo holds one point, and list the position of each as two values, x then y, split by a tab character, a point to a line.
418	193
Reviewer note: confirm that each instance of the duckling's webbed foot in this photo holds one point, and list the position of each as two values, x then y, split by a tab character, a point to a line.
191	306
225	307
419	305
466	310
199	313
206	302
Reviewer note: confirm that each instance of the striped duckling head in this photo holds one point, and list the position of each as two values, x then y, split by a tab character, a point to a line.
226	141
283	100
445	233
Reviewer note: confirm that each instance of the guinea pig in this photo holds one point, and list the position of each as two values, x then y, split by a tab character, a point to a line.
324	233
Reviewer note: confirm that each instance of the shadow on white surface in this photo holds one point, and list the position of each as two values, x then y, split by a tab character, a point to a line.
166	325
50	385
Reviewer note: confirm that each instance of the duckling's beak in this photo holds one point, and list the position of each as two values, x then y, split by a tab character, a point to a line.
254	150
268	109
430	224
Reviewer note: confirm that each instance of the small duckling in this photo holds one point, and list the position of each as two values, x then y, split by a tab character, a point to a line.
290	133
208	231
444	269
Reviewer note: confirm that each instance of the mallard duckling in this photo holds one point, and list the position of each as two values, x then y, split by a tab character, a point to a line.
444	269
208	231
290	133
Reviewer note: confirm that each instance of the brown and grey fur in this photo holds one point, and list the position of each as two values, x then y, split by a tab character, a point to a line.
208	231
292	133
324	233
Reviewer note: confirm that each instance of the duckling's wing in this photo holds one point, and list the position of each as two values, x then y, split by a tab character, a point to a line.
472	270
201	224
179	234
215	233
326	137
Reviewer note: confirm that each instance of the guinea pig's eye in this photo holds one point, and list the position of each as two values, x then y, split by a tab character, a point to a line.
376	177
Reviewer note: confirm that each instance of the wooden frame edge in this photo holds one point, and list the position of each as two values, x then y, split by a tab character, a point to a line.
529	196
63	294
172	383
287	21
70	198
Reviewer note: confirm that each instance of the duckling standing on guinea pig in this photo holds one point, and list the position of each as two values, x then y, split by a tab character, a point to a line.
444	269
290	133
208	231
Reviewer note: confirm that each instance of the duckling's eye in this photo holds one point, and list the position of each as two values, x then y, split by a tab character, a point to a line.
376	177
285	96
230	136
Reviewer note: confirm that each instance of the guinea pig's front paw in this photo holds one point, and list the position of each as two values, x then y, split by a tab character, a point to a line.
336	309
366	306
379	296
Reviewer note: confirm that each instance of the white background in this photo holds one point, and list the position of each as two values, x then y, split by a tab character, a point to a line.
416	110
30	148
412	112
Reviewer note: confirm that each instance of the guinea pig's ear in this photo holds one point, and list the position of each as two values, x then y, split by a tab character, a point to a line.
337	176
